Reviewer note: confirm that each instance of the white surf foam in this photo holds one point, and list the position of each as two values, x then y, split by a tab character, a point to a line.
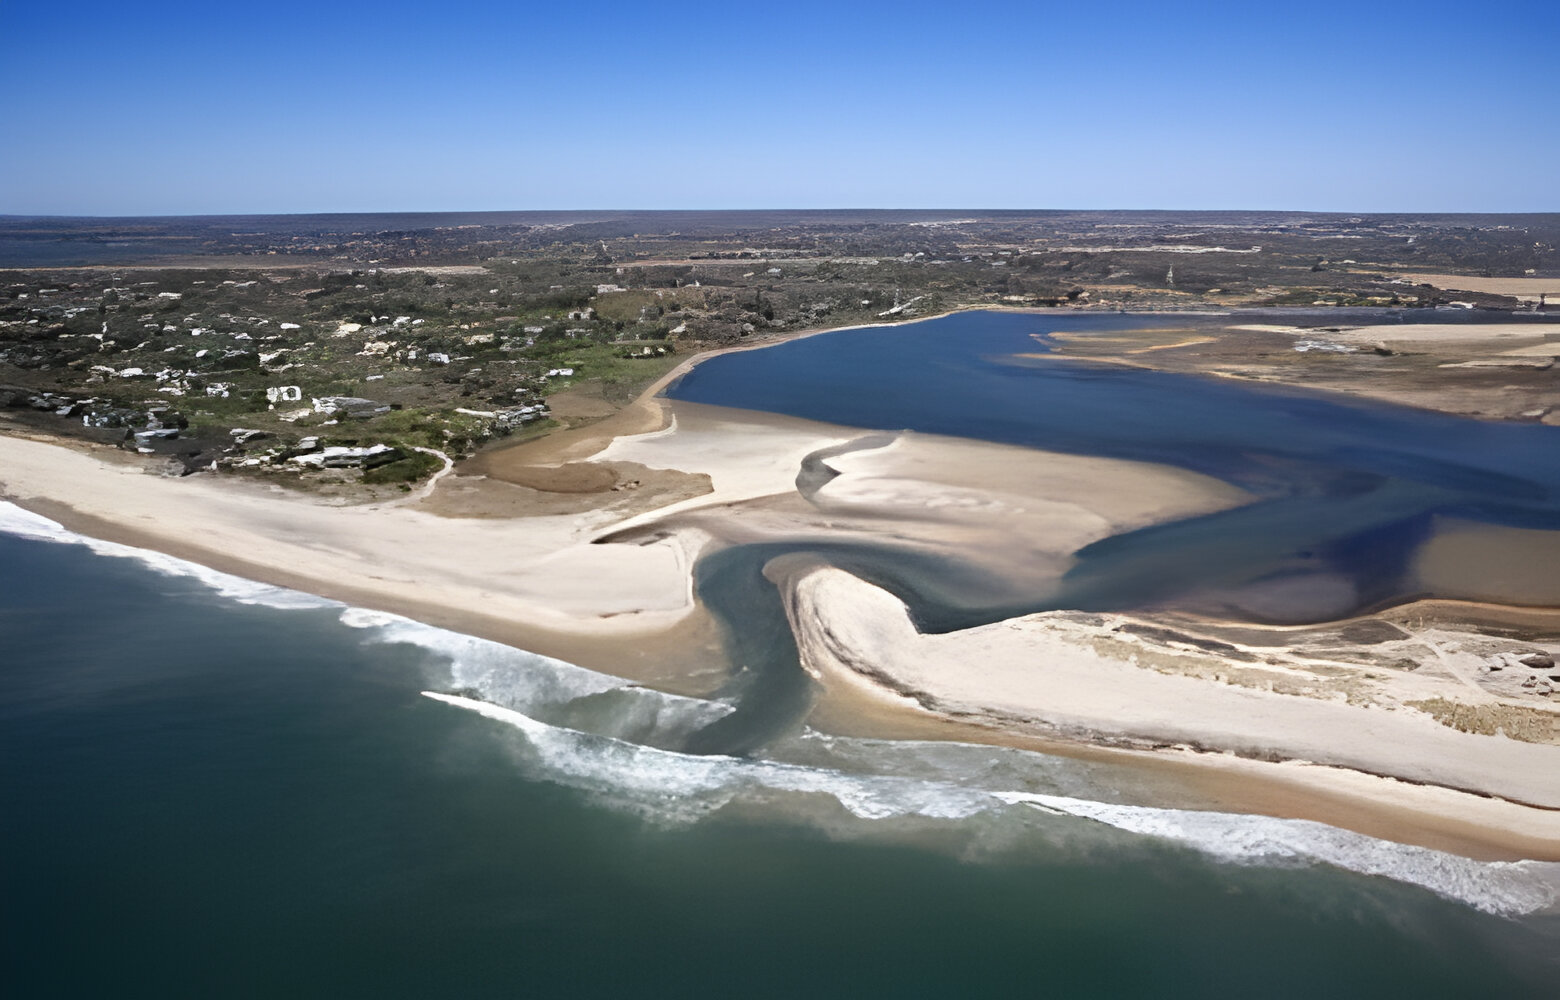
552	690
502	674
670	787
366	618
1493	886
667	786
25	524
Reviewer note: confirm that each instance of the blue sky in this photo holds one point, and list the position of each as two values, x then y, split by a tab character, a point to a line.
184	108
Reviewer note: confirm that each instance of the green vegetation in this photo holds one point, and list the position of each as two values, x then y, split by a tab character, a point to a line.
410	469
482	318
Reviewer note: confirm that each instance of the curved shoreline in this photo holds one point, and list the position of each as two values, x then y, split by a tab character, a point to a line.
1052	676
628	609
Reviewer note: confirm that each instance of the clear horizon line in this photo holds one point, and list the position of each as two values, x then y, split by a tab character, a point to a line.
735	210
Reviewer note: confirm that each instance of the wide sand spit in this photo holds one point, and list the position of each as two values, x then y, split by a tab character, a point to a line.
1373	735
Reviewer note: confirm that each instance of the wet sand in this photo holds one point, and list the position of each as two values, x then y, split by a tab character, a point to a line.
1083	677
486	555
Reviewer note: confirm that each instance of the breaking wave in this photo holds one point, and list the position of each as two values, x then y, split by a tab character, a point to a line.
543	688
617	743
629	764
24	523
669	787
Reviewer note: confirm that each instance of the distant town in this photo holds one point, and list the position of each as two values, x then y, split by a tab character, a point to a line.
372	350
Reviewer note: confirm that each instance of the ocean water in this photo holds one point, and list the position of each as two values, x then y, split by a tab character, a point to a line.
216	788
213	787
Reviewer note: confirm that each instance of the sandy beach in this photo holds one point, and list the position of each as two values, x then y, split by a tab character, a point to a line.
580	545
1069	675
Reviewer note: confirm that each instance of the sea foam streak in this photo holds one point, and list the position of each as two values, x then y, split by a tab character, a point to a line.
671	787
609	738
24	523
549	689
1509	887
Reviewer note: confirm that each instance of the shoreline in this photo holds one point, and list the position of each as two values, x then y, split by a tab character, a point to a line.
646	619
1476	826
1467	824
857	642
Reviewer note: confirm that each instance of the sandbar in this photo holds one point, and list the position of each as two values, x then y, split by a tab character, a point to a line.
609	585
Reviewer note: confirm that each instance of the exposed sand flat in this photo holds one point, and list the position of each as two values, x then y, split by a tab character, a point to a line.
1523	289
1513	339
1173	345
1015	512
521	573
746	454
1439	337
1483	562
518	565
943	476
1073	678
1496	371
1272	328
1127	342
512	568
1504	360
1548	349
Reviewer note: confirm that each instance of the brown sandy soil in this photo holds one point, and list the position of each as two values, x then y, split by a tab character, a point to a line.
581	404
570	477
1511	566
1525	289
1489	371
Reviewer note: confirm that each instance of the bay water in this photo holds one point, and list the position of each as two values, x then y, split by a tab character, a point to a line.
210	787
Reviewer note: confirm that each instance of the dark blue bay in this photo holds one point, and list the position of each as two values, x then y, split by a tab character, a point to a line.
1342	487
967	375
